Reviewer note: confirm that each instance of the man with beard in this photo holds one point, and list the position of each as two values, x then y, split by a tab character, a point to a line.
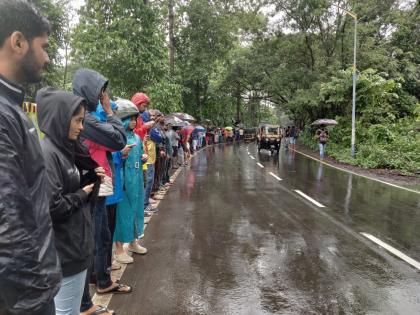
29	268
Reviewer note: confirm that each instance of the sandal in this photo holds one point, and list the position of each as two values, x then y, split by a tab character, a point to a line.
119	289
100	310
115	266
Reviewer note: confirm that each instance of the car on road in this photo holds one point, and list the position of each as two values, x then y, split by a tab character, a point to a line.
269	138
250	134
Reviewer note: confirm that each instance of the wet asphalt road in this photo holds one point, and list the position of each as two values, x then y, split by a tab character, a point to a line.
232	239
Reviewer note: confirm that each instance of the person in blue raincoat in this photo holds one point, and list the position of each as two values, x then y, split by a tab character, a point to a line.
130	211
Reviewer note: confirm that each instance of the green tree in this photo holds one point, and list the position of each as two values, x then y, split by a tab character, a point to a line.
124	40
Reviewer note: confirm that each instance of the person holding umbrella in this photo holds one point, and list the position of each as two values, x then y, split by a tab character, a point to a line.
322	134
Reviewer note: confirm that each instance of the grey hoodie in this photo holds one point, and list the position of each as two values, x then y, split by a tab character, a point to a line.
111	134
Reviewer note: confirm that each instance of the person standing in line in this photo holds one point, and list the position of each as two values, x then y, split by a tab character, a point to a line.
322	136
117	196
30	270
195	140
60	118
181	154
130	212
101	138
157	134
166	179
175	142
142	101
150	148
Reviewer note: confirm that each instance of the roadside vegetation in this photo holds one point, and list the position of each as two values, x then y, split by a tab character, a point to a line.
259	60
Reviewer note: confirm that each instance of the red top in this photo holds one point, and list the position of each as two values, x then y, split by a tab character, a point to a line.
186	132
141	129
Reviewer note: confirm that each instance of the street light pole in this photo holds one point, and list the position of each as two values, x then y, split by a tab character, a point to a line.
353	107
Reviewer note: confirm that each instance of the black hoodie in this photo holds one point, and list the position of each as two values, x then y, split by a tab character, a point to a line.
69	208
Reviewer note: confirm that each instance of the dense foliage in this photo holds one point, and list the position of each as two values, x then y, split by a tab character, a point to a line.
263	60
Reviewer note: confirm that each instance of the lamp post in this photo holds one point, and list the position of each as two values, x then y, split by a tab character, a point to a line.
353	107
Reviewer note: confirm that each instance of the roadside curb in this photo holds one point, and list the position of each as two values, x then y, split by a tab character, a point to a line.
357	174
105	299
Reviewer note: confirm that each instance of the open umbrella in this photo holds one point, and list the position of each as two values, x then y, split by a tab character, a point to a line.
184	116
200	128
326	122
229	128
174	121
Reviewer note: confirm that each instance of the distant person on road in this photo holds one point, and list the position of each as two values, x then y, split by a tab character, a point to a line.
292	137
287	135
29	266
322	136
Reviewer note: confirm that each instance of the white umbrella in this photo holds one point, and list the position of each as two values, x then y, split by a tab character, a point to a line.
325	121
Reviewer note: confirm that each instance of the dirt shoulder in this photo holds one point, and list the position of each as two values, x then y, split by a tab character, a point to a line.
391	176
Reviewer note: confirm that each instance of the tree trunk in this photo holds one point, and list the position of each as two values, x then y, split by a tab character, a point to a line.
197	97
238	103
171	36
66	57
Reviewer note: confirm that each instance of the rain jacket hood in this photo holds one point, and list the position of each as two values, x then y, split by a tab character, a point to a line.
55	109
140	98
88	84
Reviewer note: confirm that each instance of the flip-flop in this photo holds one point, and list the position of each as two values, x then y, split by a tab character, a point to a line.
115	267
116	290
102	310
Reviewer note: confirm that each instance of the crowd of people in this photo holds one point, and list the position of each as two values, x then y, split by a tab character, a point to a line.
73	204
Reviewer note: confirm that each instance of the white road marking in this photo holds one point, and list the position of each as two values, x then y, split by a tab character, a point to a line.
252	157
310	199
357	174
260	165
275	176
393	250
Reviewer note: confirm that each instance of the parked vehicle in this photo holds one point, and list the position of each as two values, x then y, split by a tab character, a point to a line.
250	134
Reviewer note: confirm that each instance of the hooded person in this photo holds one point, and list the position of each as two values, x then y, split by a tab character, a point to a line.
60	118
130	212
141	100
102	138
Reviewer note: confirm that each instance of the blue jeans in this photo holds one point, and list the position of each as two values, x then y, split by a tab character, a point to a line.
48	309
322	149
100	267
68	299
102	242
150	176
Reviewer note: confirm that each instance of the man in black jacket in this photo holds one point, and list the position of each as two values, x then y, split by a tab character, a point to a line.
29	267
